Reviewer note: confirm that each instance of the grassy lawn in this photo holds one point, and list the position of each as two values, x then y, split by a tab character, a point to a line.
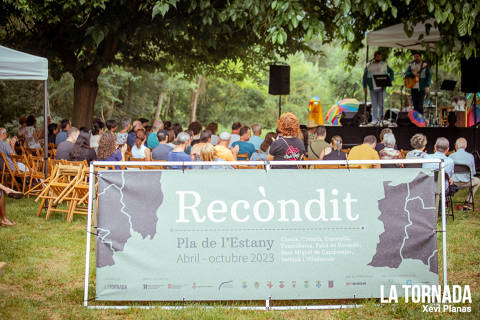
44	275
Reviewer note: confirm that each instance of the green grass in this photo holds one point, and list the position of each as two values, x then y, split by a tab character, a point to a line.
44	275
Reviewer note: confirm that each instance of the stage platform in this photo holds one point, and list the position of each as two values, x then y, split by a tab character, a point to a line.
354	136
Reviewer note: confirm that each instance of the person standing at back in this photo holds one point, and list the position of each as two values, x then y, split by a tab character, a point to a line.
377	94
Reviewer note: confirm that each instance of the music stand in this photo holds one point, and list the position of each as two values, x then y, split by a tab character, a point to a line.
382	81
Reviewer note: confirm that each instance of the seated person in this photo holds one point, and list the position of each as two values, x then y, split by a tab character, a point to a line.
317	146
462	180
160	152
222	149
152	140
108	149
334	152
262	153
365	151
208	153
52	132
8	148
243	145
97	131
418	143
123	134
388	152
205	137
178	153
235	136
32	135
440	152
255	138
287	147
63	134
66	146
139	149
213	127
380	145
81	149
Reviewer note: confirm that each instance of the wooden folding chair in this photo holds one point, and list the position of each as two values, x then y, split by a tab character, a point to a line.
146	167
37	176
51	164
12	174
65	178
243	156
77	196
139	167
326	166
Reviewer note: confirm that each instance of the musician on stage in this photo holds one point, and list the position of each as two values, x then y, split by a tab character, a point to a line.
418	78
377	94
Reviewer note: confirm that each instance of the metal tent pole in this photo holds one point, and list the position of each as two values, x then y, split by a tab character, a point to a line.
45	129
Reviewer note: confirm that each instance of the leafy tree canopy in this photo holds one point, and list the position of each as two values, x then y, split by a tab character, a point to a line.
84	37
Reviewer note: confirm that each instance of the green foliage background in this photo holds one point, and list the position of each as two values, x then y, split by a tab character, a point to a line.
134	93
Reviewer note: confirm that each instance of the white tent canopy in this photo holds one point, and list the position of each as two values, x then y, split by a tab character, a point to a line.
395	37
16	65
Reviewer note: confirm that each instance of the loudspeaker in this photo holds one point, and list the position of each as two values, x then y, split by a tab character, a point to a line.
351	119
279	83
391	114
403	120
470	71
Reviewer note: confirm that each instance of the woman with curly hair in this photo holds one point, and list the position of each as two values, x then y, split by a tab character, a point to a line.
287	147
107	148
418	143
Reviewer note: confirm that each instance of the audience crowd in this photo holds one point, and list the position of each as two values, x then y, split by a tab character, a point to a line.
112	141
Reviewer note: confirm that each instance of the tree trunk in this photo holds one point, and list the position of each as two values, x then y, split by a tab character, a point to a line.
159	105
109	113
194	100
171	109
129	95
84	95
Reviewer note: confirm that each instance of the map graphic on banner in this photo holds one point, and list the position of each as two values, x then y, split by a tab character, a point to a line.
222	235
130	209
403	229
